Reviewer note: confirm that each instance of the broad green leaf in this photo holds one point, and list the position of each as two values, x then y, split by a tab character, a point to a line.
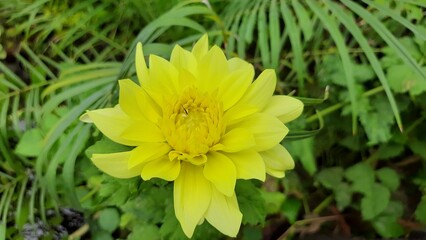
252	233
386	223
330	177
31	143
290	208
421	210
389	178
362	177
109	219
343	195
375	202
145	231
402	79
273	201
251	202
303	151
388	226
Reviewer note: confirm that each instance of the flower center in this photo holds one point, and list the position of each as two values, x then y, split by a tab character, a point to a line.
192	123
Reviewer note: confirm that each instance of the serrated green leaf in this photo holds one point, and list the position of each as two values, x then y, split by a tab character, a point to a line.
389	178
375	202
251	203
330	177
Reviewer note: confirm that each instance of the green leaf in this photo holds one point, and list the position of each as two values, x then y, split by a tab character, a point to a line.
105	145
102	235
421	210
171	229
389	178
375	202
290	208
144	231
31	143
386	224
330	177
343	195
252	233
362	177
251	202
273	201
377	121
303	150
403	79
109	219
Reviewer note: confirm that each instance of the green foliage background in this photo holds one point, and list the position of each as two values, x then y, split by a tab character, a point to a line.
360	146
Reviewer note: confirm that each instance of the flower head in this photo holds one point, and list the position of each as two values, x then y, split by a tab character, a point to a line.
201	121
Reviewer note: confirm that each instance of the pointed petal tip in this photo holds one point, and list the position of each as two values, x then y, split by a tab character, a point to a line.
85	117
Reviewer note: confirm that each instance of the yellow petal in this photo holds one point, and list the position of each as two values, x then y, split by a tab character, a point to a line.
163	72
112	122
212	68
146	152
249	164
141	69
236	140
115	164
277	160
161	168
143	131
267	130
224	213
192	195
136	103
183	60
236	83
238	112
201	47
220	171
163	80
286	108
260	91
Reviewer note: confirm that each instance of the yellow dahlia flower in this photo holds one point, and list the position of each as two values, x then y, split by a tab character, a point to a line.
201	121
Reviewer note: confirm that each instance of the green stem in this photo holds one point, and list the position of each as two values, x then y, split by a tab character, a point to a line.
337	106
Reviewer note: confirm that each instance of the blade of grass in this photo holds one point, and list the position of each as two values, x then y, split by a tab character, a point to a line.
335	33
386	35
296	44
262	28
274	34
350	24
